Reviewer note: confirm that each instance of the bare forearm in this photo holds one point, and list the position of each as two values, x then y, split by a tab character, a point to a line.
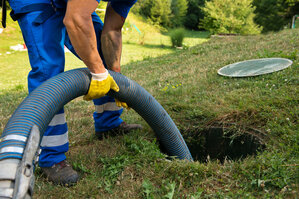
81	32
111	39
112	47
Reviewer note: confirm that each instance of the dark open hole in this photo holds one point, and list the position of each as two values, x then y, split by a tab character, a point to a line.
220	143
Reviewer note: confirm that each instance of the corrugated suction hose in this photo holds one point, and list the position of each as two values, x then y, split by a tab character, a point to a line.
42	104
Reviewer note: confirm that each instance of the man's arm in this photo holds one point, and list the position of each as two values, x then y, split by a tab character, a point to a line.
78	23
80	29
111	38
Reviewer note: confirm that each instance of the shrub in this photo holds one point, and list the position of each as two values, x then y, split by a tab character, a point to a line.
168	13
177	37
229	16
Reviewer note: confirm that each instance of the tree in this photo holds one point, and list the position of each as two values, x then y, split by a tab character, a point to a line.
158	11
194	14
179	11
273	15
230	16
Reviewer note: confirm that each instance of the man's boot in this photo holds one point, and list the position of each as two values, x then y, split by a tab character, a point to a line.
123	128
61	173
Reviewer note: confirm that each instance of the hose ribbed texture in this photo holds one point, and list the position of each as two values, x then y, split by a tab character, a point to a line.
45	101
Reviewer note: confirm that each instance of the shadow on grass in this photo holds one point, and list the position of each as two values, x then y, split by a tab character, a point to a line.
193	34
151	46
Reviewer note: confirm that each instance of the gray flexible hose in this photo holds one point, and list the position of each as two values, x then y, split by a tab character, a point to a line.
45	101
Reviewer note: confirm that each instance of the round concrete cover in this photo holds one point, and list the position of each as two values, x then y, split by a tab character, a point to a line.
254	67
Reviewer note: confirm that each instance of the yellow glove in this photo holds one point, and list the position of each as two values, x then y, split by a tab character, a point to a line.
100	85
122	104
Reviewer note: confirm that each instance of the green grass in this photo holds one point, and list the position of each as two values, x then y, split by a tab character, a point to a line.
186	84
136	47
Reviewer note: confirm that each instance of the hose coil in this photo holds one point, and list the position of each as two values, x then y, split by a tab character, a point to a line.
45	101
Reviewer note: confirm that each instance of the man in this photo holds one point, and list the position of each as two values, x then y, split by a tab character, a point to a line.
48	25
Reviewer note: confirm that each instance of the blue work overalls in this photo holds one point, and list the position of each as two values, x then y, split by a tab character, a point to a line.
45	35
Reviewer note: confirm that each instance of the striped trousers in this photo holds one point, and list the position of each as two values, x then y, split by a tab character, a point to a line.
45	43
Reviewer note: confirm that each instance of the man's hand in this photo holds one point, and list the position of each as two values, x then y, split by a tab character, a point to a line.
122	104
100	85
111	41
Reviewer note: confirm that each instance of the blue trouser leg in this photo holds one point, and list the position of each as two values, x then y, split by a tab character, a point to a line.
107	114
45	43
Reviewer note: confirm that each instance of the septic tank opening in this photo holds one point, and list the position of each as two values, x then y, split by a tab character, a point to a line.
221	143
